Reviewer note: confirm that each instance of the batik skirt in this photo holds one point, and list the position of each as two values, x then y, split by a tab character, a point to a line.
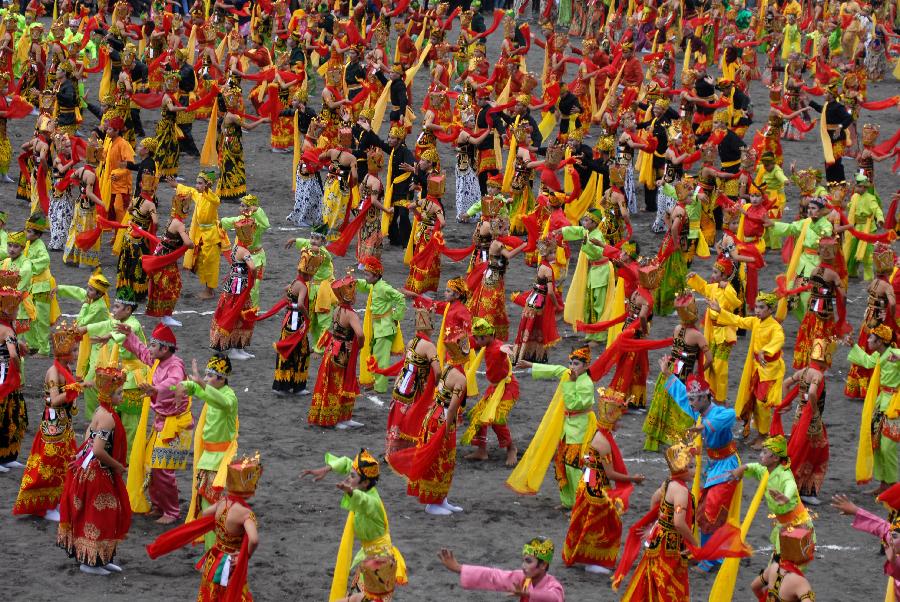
595	530
13	424
164	291
45	473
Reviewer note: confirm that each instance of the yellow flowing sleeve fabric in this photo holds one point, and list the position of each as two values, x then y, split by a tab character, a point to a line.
744	388
864	457
365	376
618	306
485	411
781	311
527	476
343	561
723	587
136	470
574	304
440	346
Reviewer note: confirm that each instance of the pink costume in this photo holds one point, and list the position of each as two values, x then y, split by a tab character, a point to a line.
548	589
869	523
163	488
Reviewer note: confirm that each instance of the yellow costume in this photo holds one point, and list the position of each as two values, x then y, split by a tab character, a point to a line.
206	235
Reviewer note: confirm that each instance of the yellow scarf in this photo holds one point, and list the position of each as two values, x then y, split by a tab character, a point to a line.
864	456
136	470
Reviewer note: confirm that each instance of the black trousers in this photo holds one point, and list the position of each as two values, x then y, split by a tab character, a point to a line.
400	228
835	171
187	144
136	126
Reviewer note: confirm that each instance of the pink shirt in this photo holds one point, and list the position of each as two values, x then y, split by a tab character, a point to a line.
169	373
867	522
548	589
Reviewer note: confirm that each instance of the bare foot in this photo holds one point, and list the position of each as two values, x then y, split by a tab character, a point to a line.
479	455
512	456
205	296
757	443
165	520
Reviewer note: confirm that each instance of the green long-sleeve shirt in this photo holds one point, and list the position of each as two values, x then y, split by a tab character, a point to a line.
130	363
818	228
578	398
91	312
890	370
367	507
781	479
4	240
388	306
39	257
867	206
221	419
592	247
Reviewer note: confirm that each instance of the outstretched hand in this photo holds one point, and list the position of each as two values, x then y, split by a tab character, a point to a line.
843	504
317	473
449	560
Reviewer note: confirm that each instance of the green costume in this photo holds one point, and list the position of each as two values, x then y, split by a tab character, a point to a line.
598	273
319	322
91	312
809	255
866	215
38	336
387	308
781	479
129	409
220	427
258	253
885	467
4	235
369	517
578	399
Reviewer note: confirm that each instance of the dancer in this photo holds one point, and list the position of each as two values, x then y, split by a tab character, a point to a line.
413	388
662	573
429	466
95	515
537	331
336	386
386	307
207	238
714	425
142	213
54	443
292	349
594	277
531	582
886	531
231	329
493	409
13	412
577	391
164	277
595	528
782	496
808	447
367	518
234	526
169	443
761	380
783	579
879	428
218	426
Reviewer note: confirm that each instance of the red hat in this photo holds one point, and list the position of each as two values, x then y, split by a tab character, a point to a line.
696	385
164	335
891	497
373	265
116	123
726	266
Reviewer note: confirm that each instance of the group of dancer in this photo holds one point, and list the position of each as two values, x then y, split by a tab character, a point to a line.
534	193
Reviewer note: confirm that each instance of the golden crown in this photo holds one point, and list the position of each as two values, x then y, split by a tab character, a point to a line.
9	279
243	475
436	185
310	261
379	576
65	338
870	134
649	275
610	407
883	258
10	299
821	351
679	457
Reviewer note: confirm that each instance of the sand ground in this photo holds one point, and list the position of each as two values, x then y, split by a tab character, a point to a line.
301	522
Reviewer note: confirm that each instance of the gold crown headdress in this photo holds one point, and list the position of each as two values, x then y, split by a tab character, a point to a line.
310	261
243	476
870	134
539	547
883	258
679	457
220	365
649	274
65	338
610	407
245	229
109	376
10	278
686	306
